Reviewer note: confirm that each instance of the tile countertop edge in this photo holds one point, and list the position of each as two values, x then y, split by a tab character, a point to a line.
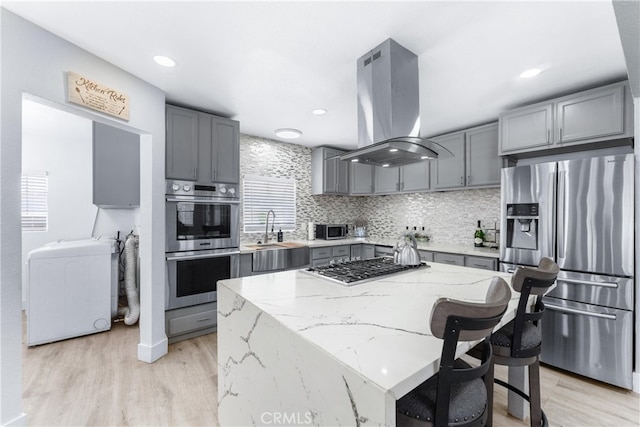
425	246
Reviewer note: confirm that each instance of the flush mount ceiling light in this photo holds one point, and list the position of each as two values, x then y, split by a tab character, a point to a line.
165	61
319	111
288	133
530	73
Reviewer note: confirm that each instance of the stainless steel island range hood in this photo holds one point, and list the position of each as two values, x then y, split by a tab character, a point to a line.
389	110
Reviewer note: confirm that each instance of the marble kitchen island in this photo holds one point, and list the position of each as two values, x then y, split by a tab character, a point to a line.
295	349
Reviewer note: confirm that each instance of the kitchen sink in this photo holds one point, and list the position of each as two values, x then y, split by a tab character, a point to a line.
277	245
280	256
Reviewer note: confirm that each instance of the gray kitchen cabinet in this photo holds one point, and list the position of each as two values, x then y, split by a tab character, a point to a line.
246	265
602	115
368	251
593	114
202	147
362	251
116	167
320	256
329	174
360	179
426	255
482	161
450	172
380	250
341	253
481	262
403	179
475	161
218	149
181	143
526	128
190	322
446	258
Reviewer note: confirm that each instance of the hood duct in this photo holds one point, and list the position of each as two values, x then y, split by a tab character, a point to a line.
389	110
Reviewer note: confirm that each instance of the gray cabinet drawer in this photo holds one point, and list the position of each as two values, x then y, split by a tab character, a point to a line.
449	259
341	251
191	322
368	251
426	256
321	253
320	261
383	251
481	262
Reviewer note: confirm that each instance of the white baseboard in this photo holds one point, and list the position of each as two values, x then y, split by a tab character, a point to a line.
636	382
152	353
20	421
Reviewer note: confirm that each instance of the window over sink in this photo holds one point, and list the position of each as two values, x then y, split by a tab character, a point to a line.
261	194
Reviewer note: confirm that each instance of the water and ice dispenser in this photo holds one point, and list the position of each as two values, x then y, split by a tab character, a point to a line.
522	225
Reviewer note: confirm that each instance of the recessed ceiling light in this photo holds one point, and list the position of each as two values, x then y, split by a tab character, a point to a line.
319	111
165	61
425	157
530	73
393	150
354	160
288	133
386	165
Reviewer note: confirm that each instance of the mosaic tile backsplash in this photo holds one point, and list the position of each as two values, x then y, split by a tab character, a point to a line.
447	216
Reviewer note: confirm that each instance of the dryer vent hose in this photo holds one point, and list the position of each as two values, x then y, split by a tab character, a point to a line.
132	312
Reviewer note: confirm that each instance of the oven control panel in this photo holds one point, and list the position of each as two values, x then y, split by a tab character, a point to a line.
190	188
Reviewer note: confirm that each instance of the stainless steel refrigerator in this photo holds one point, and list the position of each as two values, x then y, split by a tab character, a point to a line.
581	214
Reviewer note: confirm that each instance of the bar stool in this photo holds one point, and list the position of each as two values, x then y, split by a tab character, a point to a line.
519	342
457	395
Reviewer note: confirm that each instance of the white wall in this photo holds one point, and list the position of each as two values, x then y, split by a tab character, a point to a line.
35	62
60	143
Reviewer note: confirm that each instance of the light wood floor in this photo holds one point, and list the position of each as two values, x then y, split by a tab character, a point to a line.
97	380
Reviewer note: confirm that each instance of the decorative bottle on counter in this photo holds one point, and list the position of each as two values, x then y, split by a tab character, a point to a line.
279	235
478	238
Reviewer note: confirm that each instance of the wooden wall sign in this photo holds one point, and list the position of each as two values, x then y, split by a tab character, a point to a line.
88	93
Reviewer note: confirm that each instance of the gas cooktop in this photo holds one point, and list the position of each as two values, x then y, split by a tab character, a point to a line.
356	272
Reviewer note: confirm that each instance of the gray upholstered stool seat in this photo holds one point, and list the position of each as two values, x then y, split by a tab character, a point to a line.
503	337
468	399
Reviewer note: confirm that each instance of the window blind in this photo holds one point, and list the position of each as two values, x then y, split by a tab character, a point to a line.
34	188
260	194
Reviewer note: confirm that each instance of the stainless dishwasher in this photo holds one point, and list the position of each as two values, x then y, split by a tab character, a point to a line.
588	327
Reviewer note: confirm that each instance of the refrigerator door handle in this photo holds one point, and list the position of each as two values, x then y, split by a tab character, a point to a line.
590	283
574	311
561	209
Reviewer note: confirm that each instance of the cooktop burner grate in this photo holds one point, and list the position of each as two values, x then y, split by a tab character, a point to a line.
355	272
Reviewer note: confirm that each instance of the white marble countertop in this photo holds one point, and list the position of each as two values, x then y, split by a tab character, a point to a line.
427	246
379	329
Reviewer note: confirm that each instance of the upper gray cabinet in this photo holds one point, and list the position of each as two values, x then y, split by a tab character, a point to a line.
182	143
202	147
449	172
475	161
329	174
116	167
593	116
404	179
360	179
218	150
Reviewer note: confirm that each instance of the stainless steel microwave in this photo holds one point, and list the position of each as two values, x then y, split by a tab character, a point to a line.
332	231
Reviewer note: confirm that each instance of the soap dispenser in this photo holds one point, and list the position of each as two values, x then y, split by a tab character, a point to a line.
280	235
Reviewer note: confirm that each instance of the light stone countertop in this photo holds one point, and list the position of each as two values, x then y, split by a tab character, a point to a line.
295	340
427	246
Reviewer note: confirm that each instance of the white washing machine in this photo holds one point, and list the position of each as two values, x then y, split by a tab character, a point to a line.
72	289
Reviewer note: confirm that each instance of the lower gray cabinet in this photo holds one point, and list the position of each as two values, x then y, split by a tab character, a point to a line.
246	265
426	256
481	262
383	251
449	259
190	322
368	251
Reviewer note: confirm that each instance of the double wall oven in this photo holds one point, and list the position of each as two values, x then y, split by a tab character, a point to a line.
202	241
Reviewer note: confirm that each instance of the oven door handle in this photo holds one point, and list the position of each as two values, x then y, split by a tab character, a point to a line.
200	256
207	201
569	310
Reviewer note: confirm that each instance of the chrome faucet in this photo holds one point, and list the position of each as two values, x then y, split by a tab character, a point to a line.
266	229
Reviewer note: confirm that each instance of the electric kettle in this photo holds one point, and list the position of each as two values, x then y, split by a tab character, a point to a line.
406	253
